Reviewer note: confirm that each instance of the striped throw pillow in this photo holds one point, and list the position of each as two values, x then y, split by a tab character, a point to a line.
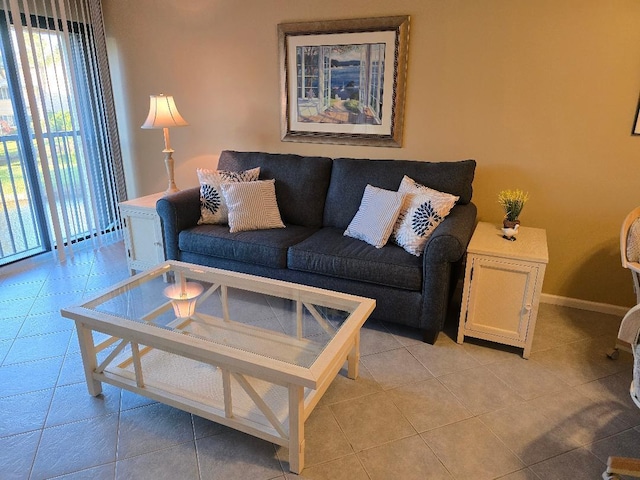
252	205
213	208
376	216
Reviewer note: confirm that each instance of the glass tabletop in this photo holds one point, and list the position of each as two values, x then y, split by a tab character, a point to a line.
279	320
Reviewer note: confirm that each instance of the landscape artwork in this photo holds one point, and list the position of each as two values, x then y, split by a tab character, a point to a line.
343	86
340	83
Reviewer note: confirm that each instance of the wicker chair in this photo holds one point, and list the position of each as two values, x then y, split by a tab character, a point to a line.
630	256
628	334
628	339
630	244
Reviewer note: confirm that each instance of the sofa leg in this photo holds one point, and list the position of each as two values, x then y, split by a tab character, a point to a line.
430	336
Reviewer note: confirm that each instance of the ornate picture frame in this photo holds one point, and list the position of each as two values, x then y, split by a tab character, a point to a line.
344	81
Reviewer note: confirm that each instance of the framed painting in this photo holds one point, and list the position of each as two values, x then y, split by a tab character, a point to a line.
343	81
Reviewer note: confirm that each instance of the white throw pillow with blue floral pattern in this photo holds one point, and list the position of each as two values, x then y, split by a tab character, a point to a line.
213	208
423	210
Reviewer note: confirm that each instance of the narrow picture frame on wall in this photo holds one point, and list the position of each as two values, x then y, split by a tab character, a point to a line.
636	121
344	81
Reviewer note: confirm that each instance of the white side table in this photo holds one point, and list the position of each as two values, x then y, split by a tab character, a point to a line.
142	232
502	286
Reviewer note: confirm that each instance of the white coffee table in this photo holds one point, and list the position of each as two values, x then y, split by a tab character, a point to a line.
254	354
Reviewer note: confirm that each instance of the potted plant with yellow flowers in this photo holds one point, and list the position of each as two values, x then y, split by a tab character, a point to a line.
512	202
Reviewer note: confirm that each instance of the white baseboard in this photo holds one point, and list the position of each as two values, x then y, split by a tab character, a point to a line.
27	263
584	304
544	298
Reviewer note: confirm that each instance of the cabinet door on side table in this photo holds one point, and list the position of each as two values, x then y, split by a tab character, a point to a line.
144	240
501	295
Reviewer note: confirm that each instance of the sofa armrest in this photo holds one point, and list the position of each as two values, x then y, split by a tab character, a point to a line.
449	241
177	212
443	251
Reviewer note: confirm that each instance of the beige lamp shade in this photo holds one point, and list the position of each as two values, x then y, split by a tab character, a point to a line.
163	113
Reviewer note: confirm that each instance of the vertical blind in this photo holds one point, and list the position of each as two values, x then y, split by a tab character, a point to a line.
63	96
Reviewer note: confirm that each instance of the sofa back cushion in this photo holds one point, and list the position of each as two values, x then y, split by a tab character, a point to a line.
350	176
301	182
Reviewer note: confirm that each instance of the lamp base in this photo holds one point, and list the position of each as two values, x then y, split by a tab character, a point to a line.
168	161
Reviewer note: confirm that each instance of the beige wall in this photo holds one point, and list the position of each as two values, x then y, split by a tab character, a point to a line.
542	93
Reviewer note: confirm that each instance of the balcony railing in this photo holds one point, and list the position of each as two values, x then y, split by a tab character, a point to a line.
23	218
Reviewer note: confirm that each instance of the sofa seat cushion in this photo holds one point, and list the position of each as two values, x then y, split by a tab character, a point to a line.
260	247
329	252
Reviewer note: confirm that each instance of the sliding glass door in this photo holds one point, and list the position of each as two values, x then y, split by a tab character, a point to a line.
22	218
56	171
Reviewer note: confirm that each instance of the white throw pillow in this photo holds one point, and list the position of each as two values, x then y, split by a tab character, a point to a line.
424	209
252	205
213	208
376	216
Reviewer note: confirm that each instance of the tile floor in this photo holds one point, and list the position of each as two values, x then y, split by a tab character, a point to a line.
418	411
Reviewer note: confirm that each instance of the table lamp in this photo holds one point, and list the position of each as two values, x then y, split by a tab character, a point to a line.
164	114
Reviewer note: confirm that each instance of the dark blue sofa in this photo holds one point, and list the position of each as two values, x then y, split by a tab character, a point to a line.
318	197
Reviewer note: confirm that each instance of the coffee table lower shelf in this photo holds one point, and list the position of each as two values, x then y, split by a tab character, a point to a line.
260	408
198	388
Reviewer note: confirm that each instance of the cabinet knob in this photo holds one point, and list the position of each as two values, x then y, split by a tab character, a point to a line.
527	307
